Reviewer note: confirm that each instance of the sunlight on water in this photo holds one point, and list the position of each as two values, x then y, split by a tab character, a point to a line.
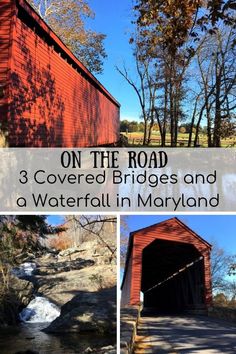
24	270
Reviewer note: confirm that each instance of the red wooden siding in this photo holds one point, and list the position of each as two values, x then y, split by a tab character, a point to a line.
170	230
54	99
127	285
6	17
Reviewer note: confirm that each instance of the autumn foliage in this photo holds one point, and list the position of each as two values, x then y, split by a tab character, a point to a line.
67	19
61	242
184	53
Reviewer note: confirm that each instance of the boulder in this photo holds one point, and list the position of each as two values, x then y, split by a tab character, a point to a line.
87	312
60	288
99	252
23	290
88	246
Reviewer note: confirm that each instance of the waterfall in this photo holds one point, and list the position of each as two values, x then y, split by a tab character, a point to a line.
39	310
24	270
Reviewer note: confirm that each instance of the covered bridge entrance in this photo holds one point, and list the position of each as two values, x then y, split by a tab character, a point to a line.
170	264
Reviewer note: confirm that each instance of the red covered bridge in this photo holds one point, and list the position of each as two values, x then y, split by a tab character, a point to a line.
47	97
170	264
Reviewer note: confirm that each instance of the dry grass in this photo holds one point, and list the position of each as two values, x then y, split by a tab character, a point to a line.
136	139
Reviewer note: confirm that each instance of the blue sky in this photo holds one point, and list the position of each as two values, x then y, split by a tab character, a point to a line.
55	219
113	18
219	229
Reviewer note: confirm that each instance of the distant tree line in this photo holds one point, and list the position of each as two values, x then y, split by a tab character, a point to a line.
127	126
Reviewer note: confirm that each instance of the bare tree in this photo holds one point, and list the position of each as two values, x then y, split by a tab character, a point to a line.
100	226
217	69
145	86
221	263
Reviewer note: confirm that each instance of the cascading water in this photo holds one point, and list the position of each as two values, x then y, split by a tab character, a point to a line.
26	269
40	310
29	335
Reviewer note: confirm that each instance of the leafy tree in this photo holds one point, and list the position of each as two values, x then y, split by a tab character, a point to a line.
171	34
164	28
141	127
171	23
220	299
182	130
232	302
23	233
20	235
133	126
67	20
165	23
124	125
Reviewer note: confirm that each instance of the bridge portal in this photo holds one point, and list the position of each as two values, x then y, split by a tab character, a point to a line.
170	264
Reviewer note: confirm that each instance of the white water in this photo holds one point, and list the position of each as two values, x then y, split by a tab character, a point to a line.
40	310
25	269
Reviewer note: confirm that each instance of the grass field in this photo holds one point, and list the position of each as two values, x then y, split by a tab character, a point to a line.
136	139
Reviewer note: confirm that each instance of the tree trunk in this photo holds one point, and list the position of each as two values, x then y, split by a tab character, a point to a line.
150	129
217	123
192	122
145	131
209	137
172	126
198	126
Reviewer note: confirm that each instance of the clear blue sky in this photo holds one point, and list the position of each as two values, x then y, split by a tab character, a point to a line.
113	18
219	229
55	219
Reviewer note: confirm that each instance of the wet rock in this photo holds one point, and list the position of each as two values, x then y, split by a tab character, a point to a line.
108	350
88	312
25	270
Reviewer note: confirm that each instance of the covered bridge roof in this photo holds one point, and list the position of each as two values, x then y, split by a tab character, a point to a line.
23	5
170	230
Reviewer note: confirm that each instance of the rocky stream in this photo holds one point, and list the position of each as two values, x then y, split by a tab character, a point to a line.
66	303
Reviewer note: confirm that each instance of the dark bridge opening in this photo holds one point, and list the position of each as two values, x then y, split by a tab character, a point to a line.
172	277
